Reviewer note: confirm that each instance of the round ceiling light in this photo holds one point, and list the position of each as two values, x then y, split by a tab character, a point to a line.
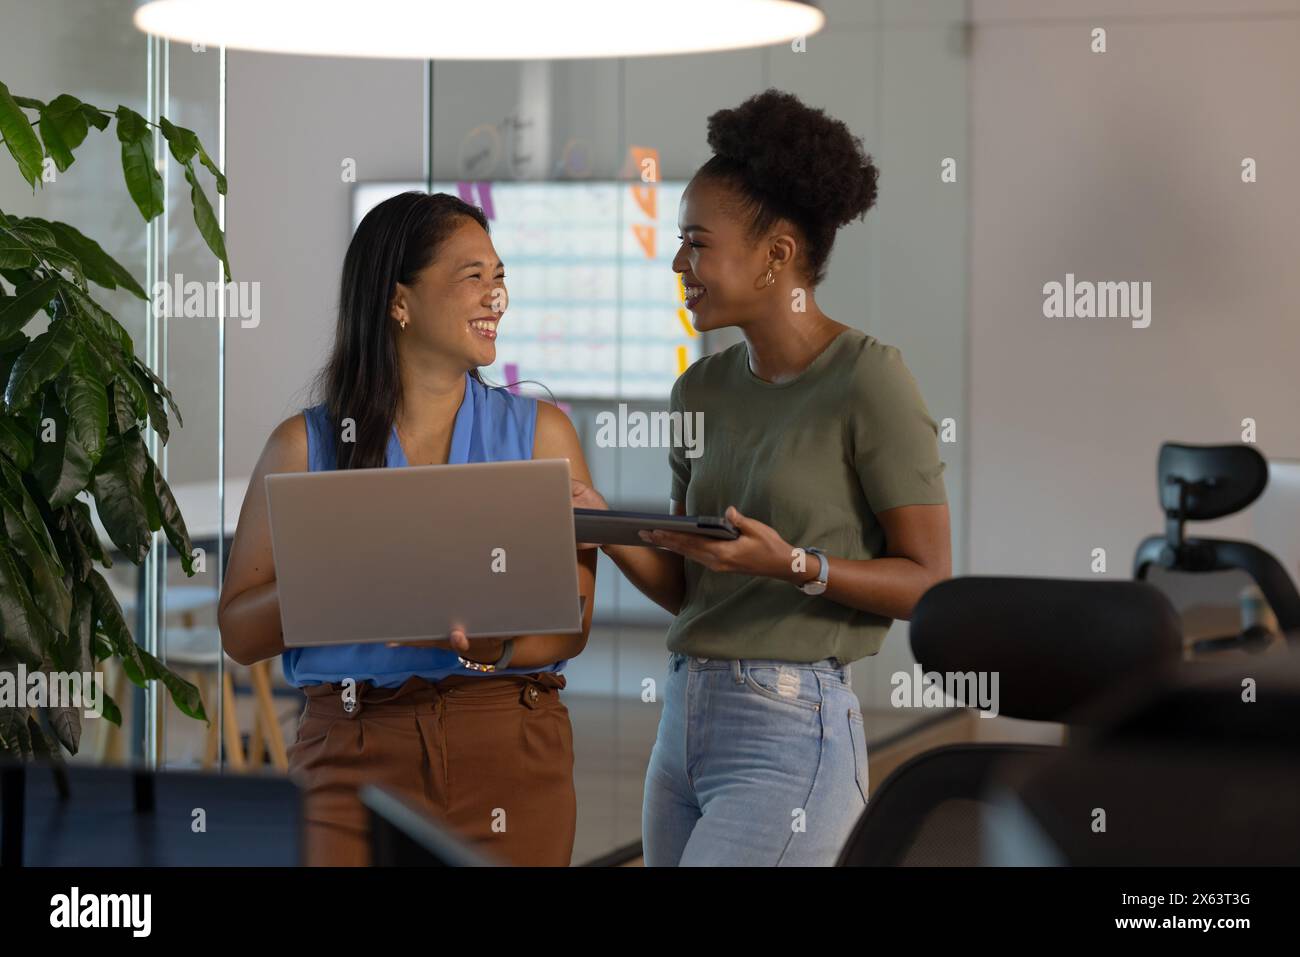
480	29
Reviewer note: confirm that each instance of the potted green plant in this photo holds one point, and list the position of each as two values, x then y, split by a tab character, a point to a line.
76	400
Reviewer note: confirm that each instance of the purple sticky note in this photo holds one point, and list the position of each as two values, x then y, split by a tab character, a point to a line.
465	190
485	200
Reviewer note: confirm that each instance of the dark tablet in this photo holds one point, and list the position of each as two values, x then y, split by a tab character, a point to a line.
604	527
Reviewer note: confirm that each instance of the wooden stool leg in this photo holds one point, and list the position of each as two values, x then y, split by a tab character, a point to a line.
257	741
234	746
261	678
213	738
108	749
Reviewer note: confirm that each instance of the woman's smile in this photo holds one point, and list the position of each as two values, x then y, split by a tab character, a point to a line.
485	326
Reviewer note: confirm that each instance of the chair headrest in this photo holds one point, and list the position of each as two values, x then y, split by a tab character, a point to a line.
1053	643
1220	479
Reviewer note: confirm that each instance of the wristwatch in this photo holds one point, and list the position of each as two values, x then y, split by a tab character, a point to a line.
507	649
818	584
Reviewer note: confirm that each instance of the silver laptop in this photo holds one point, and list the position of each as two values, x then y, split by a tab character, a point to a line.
403	554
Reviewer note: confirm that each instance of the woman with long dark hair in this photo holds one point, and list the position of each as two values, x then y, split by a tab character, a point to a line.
473	732
818	446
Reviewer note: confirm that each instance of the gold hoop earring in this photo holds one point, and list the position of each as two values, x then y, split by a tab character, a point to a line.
769	278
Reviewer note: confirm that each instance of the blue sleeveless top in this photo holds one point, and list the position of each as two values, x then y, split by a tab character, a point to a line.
493	425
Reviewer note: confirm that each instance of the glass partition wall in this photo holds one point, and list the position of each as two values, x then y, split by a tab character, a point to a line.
93	52
307	135
896	74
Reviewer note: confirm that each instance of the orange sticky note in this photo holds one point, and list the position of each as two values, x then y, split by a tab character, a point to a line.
645	235
639	155
645	197
681	359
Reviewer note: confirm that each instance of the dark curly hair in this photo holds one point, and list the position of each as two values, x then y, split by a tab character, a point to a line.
790	161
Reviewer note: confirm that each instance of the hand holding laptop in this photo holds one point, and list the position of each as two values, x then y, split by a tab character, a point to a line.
481	650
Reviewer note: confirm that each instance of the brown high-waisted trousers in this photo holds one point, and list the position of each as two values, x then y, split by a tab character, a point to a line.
489	757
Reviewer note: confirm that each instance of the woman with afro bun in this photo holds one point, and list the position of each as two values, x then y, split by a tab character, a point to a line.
818	446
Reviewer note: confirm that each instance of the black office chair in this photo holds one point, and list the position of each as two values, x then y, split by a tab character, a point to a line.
1188	773
1202	482
1057	646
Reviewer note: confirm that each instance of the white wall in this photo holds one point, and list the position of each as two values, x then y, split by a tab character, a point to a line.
1125	166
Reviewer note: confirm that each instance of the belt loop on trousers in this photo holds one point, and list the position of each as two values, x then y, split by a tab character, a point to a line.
351	697
737	674
530	696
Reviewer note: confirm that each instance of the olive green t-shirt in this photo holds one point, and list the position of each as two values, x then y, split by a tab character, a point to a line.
815	457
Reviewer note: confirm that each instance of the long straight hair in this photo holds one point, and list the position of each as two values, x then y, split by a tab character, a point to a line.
360	381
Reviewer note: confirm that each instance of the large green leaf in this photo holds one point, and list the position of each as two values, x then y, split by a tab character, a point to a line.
15	489
75	557
158	384
75	655
97	265
140	666
142	179
33	235
48	590
24	632
63	128
80	523
31	535
212	168
17	277
206	220
17	311
95	116
157	410
15	735
16	441
62	468
182	142
169	514
40	362
78	655
32	231
15	254
109	710
126	412
119	490
85	397
20	138
185	144
109	330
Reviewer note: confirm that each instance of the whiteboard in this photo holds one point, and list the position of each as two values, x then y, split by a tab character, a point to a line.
595	310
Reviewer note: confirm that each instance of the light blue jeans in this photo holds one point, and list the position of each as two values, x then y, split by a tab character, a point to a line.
756	763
